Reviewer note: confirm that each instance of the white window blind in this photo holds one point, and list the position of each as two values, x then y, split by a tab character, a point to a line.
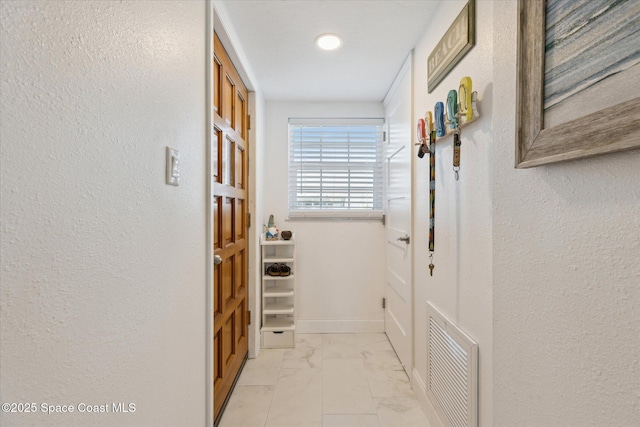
335	168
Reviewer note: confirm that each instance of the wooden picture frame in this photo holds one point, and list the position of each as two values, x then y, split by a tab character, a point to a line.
454	45
610	129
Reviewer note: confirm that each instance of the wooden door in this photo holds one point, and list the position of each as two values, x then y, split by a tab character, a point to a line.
398	148
230	204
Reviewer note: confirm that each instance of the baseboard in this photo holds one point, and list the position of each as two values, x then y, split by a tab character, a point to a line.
339	326
420	391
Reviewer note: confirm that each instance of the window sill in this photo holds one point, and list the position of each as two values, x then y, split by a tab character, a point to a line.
335	216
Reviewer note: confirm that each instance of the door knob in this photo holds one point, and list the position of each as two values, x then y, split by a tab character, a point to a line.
217	259
405	239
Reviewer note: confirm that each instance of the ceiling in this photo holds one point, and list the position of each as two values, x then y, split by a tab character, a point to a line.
277	37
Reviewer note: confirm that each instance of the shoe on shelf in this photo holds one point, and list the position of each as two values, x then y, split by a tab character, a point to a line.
273	270
285	270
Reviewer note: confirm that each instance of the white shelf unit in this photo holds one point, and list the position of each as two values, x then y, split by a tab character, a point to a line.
278	294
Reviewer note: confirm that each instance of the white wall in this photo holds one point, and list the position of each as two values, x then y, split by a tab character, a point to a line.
462	279
102	264
340	264
566	294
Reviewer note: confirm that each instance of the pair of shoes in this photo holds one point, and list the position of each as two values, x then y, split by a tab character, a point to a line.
285	270
278	270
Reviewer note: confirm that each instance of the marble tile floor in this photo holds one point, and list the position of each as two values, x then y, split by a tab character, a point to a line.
327	380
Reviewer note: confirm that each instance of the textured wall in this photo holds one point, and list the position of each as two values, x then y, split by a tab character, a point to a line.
341	264
462	278
566	294
102	264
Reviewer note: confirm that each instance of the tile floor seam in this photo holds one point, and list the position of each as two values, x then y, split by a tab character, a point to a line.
273	395
322	365
266	419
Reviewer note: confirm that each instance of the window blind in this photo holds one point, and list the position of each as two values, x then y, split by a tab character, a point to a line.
335	168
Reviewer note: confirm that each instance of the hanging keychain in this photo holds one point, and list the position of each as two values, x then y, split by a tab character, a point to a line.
453	118
432	187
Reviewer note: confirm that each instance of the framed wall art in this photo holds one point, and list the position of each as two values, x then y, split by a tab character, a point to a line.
454	45
578	83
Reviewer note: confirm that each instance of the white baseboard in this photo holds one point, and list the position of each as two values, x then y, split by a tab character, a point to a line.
420	390
339	326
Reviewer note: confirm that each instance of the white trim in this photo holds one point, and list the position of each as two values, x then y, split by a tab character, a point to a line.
230	40
209	285
339	326
336	213
254	302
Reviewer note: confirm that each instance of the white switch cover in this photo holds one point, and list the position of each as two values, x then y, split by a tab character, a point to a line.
173	166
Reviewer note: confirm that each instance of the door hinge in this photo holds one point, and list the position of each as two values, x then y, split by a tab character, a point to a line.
384	136
384	303
249	220
248	317
248	121
384	219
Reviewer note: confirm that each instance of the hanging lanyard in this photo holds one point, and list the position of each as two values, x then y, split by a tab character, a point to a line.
426	127
432	189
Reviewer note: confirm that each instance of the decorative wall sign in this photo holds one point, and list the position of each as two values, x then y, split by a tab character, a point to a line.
454	45
577	90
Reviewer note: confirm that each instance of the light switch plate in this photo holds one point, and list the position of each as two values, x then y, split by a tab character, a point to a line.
173	166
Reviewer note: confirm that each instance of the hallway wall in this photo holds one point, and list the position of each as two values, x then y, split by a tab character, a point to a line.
566	292
102	264
462	279
340	265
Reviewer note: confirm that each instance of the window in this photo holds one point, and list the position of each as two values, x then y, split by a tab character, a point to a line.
335	168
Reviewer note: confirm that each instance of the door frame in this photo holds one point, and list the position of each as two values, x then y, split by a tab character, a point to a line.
213	24
209	22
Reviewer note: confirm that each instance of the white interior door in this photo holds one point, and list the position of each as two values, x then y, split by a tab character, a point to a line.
398	292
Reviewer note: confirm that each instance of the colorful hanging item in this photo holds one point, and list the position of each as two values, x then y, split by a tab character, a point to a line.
432	188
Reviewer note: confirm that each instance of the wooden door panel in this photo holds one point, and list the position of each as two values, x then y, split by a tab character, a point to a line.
230	162
217	222
240	164
241	214
216	156
241	323
229	100
217	366
217	293
228	340
228	223
240	114
230	207
217	84
240	278
228	281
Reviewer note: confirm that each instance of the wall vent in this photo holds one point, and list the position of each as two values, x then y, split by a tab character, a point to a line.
452	371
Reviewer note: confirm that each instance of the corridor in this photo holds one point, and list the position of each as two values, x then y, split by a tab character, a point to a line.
327	380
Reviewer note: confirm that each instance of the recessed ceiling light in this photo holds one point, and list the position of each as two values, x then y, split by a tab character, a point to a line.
329	41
